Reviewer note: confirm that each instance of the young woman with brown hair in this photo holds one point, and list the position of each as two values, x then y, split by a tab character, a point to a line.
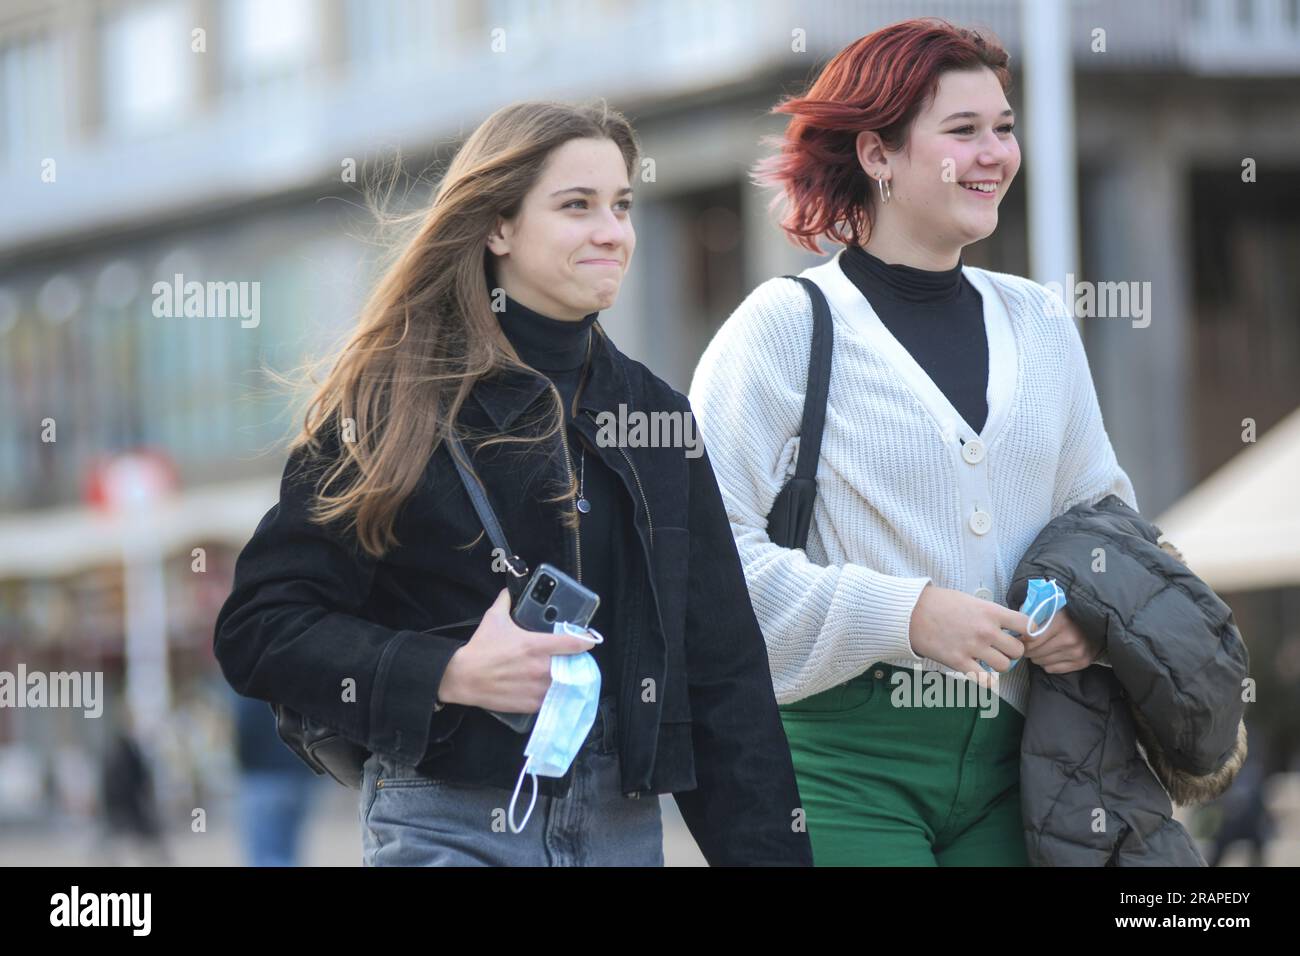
485	328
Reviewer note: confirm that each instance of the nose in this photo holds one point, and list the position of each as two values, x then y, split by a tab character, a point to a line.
607	230
995	153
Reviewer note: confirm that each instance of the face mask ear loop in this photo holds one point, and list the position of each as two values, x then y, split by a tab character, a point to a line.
515	796
1052	598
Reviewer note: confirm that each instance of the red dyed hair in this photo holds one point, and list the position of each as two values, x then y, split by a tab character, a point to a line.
880	82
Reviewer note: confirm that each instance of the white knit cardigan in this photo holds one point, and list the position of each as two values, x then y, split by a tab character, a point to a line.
907	491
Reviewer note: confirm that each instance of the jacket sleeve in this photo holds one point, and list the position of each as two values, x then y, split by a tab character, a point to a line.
823	624
746	807
291	632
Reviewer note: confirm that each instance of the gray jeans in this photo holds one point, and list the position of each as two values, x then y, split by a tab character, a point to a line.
410	820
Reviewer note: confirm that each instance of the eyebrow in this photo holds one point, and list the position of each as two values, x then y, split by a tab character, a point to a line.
971	114
588	191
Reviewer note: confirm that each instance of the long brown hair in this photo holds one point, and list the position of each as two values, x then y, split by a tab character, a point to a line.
427	333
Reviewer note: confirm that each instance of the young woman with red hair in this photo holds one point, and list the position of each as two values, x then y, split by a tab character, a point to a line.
961	419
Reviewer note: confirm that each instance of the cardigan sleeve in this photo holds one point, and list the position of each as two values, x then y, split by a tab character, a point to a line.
822	624
1088	469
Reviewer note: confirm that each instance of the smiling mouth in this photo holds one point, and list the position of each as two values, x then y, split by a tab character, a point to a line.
598	262
983	189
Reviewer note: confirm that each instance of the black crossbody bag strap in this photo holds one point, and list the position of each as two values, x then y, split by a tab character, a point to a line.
518	567
791	514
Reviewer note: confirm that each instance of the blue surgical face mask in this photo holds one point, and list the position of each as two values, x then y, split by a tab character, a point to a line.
1043	599
564	720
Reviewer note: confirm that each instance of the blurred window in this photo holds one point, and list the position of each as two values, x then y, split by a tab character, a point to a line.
31	99
402	35
269	43
147	67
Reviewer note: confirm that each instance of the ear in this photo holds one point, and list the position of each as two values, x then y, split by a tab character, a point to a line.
871	153
498	240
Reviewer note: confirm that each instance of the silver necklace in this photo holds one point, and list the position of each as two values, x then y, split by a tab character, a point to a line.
583	504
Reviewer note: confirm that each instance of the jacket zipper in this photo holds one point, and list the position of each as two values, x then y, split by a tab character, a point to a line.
624	709
576	534
577	526
645	503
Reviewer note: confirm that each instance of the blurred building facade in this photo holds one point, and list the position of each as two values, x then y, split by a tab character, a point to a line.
141	139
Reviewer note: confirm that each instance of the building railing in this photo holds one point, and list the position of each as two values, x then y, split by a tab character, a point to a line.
413	71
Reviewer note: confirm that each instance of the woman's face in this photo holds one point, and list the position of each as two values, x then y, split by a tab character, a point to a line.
963	137
565	251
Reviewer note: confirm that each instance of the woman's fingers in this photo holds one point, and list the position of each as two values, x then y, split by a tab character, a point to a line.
1014	621
1066	666
501	605
1038	649
996	659
984	678
1062	636
553	644
1012	647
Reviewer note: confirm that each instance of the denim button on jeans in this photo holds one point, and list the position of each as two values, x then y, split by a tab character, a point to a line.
411	820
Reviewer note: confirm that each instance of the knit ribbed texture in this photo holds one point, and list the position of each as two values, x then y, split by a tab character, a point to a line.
894	495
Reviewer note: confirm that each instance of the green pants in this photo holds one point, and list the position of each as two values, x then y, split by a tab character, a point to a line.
887	785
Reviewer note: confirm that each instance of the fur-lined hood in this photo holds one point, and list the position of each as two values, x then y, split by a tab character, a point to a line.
1189	789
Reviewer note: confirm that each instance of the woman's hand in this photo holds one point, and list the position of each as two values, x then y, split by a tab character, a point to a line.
1063	647
504	667
959	630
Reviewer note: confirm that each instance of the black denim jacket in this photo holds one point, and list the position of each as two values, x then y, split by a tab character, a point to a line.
361	644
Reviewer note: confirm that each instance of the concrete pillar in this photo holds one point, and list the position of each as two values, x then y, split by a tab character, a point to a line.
1138	232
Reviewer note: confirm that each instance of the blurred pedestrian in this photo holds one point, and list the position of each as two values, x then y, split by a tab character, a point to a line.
275	789
1245	813
130	812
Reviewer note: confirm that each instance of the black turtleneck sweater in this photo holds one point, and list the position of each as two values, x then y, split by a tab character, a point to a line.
558	349
938	317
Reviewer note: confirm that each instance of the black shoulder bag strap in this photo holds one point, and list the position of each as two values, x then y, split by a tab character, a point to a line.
517	566
791	514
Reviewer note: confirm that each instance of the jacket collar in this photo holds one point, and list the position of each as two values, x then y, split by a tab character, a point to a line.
508	394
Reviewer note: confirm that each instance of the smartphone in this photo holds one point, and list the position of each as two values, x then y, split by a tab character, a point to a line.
551	596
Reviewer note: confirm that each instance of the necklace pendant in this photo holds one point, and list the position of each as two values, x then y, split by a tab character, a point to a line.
584	505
